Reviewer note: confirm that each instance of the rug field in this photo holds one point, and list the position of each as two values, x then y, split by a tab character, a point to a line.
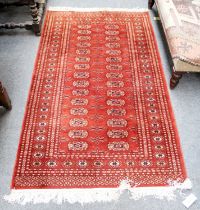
98	110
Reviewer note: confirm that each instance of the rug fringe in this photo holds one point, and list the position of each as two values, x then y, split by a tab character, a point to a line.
97	9
84	196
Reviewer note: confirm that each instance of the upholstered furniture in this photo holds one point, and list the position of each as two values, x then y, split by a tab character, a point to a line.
37	8
181	23
4	98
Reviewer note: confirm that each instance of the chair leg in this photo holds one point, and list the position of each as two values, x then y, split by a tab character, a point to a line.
4	98
151	3
34	13
176	76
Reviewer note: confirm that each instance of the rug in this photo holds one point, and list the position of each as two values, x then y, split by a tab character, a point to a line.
98	111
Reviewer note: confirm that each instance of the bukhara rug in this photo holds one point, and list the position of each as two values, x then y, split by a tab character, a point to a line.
98	111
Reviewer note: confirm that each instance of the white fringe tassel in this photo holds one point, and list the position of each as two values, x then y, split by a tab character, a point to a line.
97	9
84	196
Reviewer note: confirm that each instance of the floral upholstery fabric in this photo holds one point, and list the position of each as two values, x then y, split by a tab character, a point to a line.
181	22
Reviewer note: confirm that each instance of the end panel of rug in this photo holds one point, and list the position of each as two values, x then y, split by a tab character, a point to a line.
87	196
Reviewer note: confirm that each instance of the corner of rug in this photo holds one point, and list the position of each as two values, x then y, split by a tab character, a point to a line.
162	192
186	185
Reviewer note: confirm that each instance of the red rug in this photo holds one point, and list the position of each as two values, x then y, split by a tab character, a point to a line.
98	111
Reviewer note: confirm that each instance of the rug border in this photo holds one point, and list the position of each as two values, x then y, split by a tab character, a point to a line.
178	140
76	195
28	99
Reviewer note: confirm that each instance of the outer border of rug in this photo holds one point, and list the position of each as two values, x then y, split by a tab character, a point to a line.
178	141
74	195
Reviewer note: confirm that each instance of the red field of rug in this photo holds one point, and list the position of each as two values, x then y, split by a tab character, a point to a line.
98	111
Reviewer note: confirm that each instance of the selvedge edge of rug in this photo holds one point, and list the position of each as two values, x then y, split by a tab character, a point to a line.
113	145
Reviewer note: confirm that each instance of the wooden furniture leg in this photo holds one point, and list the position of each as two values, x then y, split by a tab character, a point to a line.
176	76
36	21
4	98
37	11
151	3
